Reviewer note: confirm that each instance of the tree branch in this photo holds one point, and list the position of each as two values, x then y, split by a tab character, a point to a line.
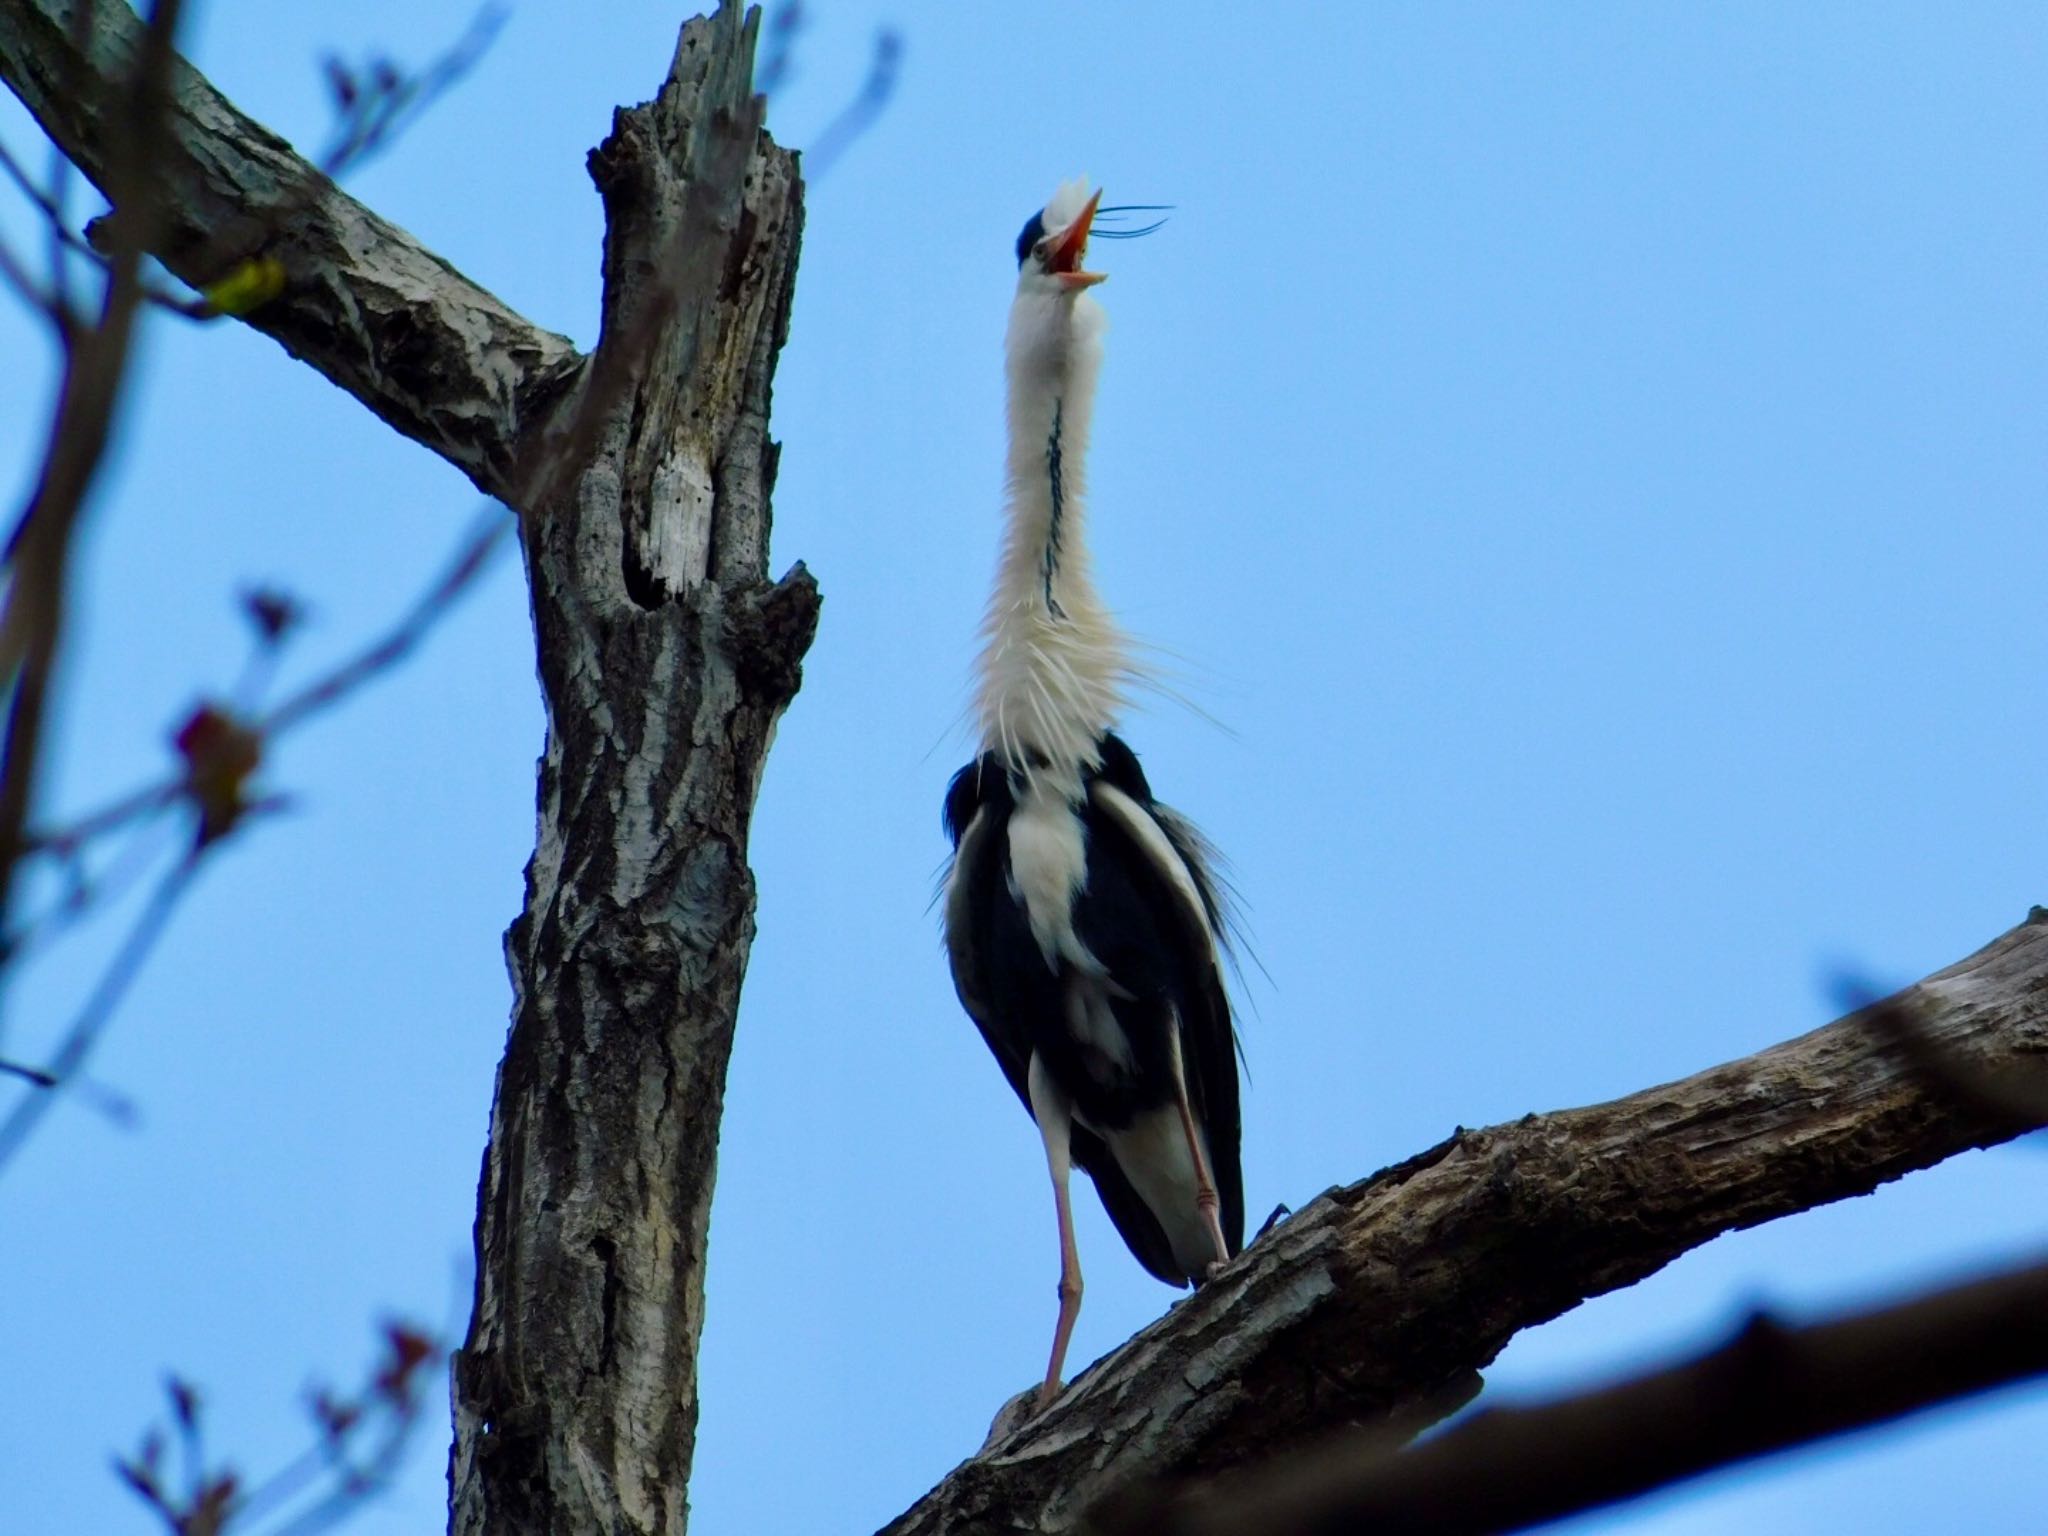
435	356
1769	1388
1382	1298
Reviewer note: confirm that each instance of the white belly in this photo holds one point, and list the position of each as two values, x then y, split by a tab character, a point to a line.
1048	863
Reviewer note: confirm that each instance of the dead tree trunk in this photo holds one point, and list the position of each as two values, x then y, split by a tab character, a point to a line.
665	659
642	476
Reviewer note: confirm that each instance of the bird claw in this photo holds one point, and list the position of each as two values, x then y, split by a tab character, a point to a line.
1015	1414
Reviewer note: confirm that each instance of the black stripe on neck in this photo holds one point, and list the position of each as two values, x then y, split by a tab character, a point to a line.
1059	506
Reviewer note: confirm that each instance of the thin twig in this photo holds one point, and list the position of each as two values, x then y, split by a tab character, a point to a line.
55	305
472	558
487	536
87	894
31	628
783	25
859	115
340	1474
109	818
91	1022
48	204
17	276
376	111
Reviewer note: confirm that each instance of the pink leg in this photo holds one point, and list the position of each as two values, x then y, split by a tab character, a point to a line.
1070	1292
1055	1119
1205	1184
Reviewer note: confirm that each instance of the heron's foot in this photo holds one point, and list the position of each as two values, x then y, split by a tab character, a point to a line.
1015	1414
1216	1268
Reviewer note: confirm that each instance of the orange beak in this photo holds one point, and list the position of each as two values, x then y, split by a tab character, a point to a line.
1064	259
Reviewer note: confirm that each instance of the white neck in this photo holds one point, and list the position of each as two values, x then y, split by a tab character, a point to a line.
1053	665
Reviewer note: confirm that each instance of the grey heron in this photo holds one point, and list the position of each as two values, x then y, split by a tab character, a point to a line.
1082	918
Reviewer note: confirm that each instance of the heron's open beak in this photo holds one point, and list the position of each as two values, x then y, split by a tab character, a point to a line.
1064	259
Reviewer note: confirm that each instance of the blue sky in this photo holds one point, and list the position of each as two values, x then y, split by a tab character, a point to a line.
1585	464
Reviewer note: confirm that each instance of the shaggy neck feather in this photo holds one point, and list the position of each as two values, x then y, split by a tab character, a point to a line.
1053	665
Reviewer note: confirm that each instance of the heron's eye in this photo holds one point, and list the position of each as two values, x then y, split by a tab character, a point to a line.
1030	237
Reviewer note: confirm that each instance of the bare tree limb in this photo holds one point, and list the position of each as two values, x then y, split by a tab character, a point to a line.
1993	1095
373	106
1383	1295
435	356
1769	1388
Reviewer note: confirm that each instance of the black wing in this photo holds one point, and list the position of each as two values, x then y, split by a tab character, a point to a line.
978	805
977	814
1170	886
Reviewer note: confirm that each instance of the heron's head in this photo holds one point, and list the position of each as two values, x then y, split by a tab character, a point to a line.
1050	249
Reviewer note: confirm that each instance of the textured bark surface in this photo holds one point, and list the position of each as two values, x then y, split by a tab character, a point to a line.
642	474
1770	1388
431	353
666	657
1384	1297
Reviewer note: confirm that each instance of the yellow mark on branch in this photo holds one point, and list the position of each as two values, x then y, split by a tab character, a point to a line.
251	285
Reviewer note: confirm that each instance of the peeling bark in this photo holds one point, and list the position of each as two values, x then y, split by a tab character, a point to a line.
666	657
1380	1301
